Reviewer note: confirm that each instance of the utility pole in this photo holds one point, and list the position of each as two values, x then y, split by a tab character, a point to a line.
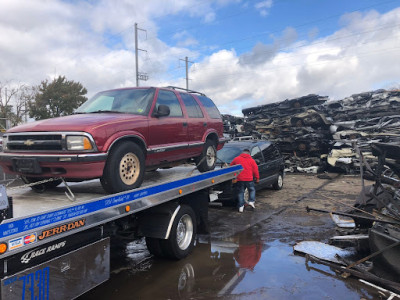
187	71
141	76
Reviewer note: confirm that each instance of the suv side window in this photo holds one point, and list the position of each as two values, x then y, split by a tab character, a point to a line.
256	154
210	107
192	107
268	153
169	98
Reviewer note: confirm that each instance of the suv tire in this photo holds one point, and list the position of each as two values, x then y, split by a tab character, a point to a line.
124	168
207	160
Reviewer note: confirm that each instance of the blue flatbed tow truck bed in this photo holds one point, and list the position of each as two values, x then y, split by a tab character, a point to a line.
55	248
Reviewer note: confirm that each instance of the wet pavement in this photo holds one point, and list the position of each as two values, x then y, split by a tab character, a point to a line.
248	255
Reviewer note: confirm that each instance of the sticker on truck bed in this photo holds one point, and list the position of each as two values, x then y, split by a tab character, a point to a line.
62	228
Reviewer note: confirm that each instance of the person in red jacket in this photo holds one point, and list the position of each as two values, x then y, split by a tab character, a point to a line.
246	178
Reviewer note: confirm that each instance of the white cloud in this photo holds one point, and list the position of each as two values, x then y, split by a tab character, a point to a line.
354	59
263	7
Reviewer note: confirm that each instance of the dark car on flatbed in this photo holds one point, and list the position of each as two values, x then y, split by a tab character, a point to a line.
116	136
269	161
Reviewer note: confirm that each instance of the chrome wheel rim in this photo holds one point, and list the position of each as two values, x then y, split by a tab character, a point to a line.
184	232
210	156
246	195
129	168
280	181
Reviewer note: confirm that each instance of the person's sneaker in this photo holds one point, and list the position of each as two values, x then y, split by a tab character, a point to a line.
241	209
251	204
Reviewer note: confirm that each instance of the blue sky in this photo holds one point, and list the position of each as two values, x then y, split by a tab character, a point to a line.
242	53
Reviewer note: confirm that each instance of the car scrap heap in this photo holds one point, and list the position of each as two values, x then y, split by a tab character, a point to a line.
314	133
297	126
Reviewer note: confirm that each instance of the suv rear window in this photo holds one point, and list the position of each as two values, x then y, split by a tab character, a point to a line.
210	107
192	107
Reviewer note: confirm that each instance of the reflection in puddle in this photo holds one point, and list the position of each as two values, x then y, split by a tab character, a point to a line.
243	266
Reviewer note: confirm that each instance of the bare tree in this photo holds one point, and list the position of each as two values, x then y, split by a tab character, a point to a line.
14	100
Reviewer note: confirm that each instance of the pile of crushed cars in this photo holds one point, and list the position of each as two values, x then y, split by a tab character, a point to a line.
315	134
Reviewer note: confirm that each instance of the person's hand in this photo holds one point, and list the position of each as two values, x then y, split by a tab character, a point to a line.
257	180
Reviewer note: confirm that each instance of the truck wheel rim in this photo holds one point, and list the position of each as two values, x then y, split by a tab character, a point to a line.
184	232
210	156
246	195
129	168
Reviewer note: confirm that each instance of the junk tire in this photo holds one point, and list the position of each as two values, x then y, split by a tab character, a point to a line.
154	247
278	185
207	160
182	236
40	188
125	168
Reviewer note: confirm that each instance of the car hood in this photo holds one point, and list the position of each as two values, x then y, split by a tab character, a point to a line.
79	122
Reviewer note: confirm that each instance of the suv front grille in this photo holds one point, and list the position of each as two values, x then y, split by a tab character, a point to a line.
32	142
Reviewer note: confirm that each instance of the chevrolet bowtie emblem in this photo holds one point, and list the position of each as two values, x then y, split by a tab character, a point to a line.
29	142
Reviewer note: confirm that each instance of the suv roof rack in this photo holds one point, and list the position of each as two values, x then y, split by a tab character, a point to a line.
183	89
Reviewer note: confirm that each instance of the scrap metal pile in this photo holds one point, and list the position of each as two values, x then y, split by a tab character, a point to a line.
371	227
233	126
362	119
314	133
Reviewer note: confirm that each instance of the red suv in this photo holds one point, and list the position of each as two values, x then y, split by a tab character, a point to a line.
116	136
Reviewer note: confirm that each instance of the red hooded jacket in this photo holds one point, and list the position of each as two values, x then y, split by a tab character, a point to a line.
250	168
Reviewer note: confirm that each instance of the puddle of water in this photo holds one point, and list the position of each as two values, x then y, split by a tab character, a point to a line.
242	267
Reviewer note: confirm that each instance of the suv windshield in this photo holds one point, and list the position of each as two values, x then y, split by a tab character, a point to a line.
132	101
227	154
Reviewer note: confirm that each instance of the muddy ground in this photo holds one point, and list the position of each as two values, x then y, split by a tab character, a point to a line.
248	255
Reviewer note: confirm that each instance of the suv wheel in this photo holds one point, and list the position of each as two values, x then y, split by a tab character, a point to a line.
278	183
207	160
124	169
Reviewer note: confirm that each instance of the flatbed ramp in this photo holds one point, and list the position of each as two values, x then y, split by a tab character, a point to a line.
42	246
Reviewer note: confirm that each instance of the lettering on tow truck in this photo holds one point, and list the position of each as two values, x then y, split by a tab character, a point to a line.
39	252
62	228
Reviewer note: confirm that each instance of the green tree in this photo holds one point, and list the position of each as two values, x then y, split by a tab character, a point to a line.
55	99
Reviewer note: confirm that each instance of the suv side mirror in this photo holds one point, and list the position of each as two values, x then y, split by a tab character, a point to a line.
162	111
257	161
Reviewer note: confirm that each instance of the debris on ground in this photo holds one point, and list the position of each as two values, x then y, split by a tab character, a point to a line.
375	228
322	250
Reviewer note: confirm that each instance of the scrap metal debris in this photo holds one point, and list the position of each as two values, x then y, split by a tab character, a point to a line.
376	215
322	251
315	134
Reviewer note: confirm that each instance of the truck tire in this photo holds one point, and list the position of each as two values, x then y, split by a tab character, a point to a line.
40	188
154	247
278	184
207	160
181	238
124	168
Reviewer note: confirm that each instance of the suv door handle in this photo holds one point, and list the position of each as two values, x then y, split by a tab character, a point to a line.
184	124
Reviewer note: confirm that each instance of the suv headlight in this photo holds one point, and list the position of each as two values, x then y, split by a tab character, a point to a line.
78	143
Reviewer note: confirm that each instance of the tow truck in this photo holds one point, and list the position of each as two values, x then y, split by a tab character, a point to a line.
57	247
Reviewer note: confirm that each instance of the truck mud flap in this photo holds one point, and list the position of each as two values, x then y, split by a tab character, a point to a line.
64	277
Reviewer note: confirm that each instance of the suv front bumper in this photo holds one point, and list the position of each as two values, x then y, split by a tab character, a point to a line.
78	166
